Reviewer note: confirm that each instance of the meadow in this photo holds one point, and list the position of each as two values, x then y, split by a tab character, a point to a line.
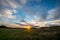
30	34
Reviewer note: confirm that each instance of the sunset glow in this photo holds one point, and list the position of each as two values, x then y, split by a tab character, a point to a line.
28	27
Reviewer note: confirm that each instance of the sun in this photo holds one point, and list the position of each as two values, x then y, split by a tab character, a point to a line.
28	27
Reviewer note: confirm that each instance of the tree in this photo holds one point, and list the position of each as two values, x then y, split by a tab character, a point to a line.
3	26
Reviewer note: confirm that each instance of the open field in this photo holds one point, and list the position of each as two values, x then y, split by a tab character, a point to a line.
31	34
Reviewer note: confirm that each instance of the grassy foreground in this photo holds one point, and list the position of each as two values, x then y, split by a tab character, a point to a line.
25	34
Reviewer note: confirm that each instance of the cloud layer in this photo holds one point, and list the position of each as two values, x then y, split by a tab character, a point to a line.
36	12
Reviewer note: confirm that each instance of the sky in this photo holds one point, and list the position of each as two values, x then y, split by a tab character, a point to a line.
34	12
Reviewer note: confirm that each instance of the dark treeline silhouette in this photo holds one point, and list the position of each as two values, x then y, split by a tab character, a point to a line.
3	26
51	27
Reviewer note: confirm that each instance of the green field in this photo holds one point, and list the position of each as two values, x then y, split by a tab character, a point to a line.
24	34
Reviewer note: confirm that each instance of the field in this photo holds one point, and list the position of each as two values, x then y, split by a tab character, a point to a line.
29	34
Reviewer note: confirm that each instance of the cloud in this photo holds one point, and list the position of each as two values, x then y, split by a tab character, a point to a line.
54	14
7	13
23	1
36	17
36	22
12	3
14	11
38	11
37	1
45	23
4	22
53	23
48	23
8	3
13	25
8	9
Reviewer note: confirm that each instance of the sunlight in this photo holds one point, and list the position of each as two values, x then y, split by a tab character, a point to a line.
28	28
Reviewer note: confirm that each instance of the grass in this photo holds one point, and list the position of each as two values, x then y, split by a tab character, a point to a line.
24	34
